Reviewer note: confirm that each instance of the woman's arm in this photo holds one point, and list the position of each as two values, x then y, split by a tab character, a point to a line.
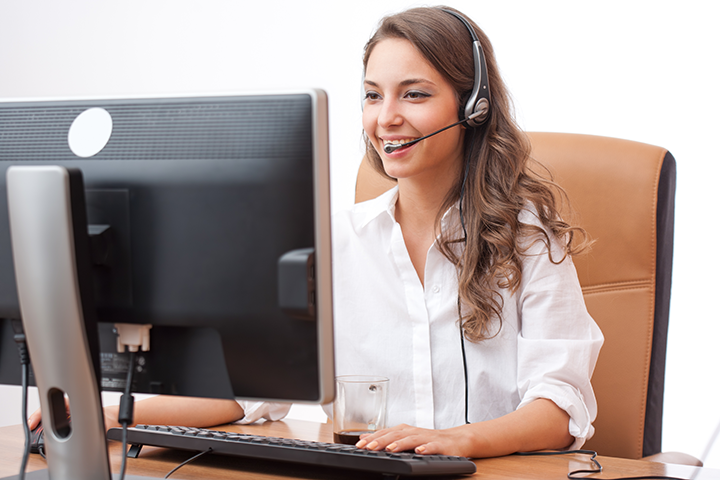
538	425
172	410
186	411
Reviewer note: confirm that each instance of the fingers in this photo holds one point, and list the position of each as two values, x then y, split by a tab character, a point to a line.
397	439
420	440
408	443
430	448
379	439
34	419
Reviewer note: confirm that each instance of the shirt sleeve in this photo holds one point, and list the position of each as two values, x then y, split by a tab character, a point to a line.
559	342
256	411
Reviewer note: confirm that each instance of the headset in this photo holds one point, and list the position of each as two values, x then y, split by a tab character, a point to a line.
477	108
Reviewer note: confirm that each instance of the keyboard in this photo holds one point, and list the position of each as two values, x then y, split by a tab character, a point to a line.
289	450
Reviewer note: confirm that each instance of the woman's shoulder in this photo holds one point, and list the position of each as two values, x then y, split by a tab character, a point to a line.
362	224
360	214
529	214
536	237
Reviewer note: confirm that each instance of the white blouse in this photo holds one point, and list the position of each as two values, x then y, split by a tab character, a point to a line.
387	323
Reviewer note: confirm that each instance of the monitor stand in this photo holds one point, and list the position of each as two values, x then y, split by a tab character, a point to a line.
52	267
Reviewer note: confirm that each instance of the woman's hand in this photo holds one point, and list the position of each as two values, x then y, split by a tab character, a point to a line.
539	425
452	441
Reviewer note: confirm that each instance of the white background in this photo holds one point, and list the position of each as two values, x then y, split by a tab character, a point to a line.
641	70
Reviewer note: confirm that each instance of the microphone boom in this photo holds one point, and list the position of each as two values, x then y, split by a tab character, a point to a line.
390	148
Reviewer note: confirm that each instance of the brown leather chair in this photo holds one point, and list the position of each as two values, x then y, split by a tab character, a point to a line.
623	194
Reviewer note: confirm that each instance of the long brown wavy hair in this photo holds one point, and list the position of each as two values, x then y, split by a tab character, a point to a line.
502	178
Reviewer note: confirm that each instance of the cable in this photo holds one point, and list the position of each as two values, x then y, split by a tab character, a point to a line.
580	474
464	358
125	412
462	334
187	461
26	427
19	338
462	193
574	473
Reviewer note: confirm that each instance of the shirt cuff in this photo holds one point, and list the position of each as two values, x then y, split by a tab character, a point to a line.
256	411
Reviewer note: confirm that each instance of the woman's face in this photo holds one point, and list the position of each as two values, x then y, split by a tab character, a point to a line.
405	99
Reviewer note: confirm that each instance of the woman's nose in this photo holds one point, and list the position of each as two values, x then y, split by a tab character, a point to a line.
390	114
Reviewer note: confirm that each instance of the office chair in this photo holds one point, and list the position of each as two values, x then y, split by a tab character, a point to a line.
623	194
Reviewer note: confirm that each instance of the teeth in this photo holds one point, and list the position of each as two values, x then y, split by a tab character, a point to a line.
397	142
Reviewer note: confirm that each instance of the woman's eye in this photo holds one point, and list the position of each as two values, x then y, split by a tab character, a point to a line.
371	96
414	95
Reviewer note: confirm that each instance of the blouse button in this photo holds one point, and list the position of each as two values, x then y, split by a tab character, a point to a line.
436	289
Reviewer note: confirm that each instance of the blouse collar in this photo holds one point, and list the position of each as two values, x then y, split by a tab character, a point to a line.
385	203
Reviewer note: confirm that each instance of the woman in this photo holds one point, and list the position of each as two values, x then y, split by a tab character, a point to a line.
470	238
457	284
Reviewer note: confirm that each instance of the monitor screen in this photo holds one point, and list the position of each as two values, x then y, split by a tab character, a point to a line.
191	204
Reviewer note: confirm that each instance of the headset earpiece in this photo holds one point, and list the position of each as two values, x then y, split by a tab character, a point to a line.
479	100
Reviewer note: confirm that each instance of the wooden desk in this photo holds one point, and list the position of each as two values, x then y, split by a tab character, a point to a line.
156	462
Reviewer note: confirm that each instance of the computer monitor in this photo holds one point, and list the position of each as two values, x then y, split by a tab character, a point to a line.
208	218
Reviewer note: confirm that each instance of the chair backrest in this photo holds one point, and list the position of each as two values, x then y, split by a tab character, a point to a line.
623	194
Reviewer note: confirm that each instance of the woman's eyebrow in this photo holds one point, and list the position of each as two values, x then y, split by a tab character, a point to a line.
404	83
415	81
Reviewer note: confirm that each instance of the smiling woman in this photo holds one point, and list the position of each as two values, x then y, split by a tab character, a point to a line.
459	279
419	71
